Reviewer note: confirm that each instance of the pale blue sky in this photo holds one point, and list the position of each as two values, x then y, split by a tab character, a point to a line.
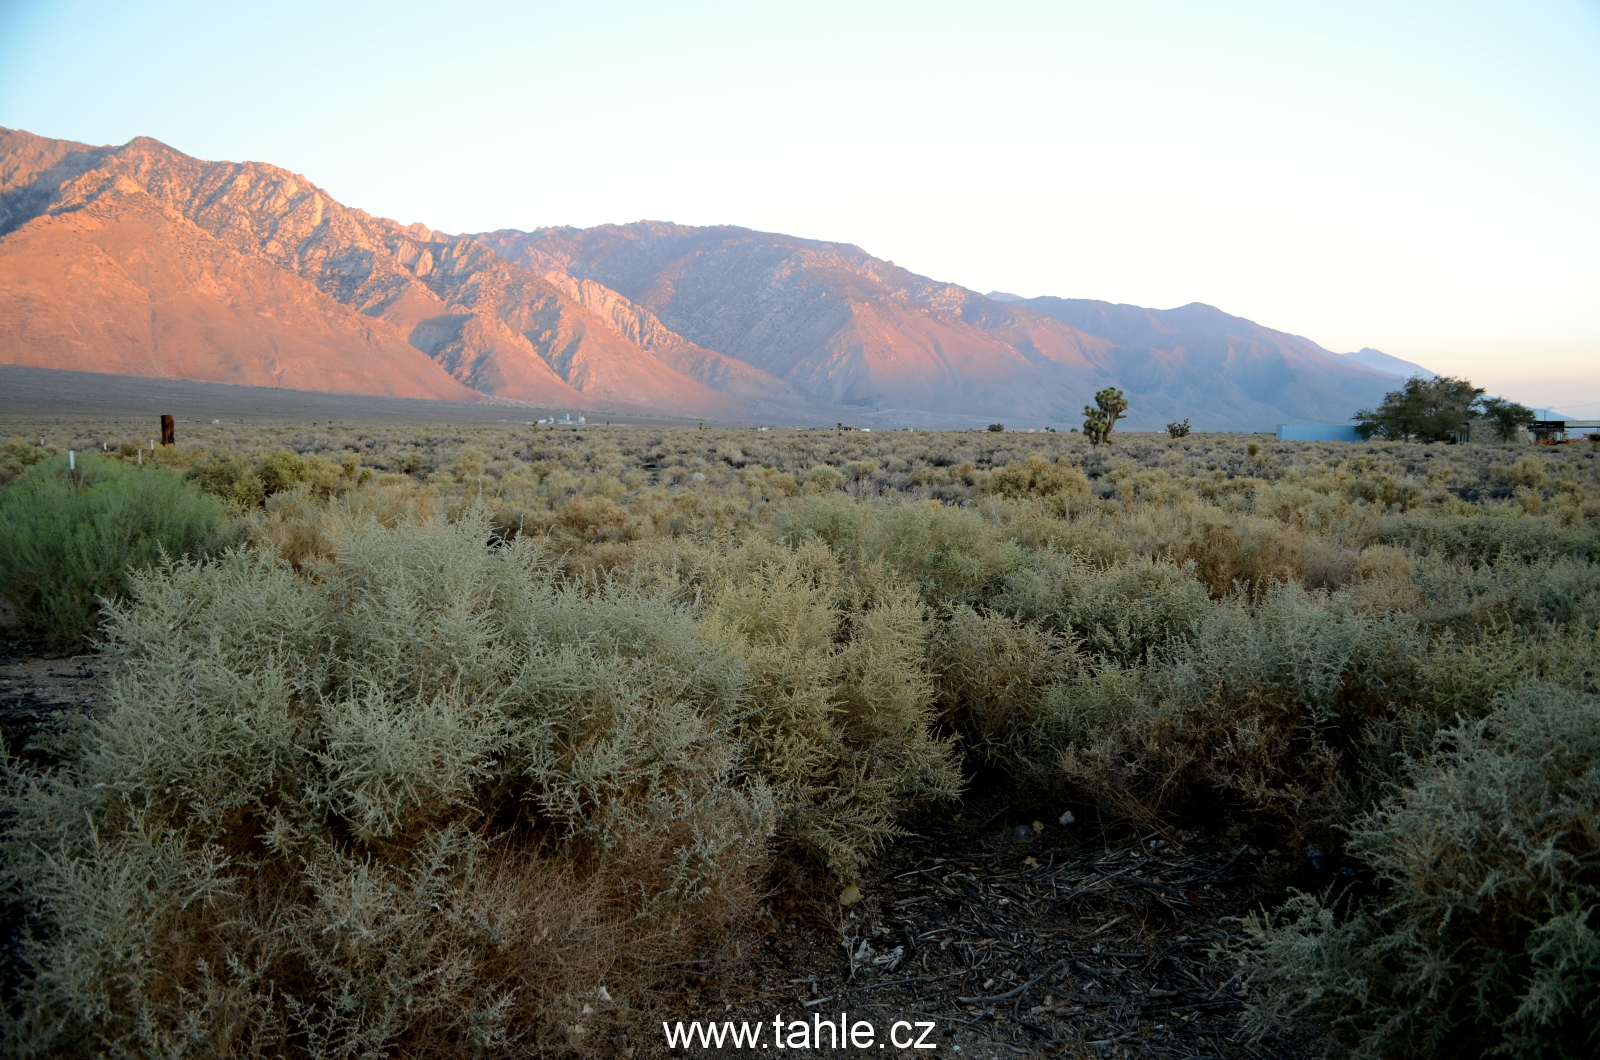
1418	177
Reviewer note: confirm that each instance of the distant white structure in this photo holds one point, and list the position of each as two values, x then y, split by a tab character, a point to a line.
1317	432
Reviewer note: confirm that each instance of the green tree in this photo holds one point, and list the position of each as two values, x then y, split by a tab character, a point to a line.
1505	417
1429	410
1100	418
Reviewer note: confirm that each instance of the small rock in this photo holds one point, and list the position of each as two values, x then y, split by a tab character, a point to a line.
850	895
697	477
1038	826
1022	833
603	994
1066	818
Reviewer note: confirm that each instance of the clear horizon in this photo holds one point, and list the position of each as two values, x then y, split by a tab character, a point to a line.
1415	178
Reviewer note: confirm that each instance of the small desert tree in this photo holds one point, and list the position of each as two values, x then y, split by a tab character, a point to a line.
1430	410
1100	418
1178	430
1505	417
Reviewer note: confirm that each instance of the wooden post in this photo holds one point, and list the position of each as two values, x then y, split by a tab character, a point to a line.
169	431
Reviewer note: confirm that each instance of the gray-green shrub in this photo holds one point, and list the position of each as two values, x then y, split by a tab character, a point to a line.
1486	937
842	711
1120	610
378	808
1264	638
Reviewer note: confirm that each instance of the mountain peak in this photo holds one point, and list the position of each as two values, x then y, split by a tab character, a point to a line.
142	260
1379	361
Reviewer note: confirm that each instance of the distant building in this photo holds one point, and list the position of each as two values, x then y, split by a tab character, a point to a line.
1547	431
1317	432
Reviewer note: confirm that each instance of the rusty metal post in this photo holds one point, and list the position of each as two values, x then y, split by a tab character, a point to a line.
169	431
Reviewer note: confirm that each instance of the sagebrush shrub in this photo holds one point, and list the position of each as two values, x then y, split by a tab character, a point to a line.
518	775
1486	939
1491	536
1037	476
342	814
1266	707
952	556
17	456
1120	610
991	671
835	521
842	706
70	538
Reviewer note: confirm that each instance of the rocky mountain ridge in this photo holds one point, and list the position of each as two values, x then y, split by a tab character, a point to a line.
142	260
491	326
858	330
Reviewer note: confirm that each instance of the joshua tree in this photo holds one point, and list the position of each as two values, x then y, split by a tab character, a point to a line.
997	427
1178	430
1100	418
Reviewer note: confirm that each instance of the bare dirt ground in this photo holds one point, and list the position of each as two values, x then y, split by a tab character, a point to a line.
1010	940
36	683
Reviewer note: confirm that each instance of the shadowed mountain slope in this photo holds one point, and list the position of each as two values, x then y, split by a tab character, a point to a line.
1272	369
1379	361
1196	326
855	329
828	317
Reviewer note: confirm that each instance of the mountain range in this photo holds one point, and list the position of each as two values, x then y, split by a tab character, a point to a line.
140	260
